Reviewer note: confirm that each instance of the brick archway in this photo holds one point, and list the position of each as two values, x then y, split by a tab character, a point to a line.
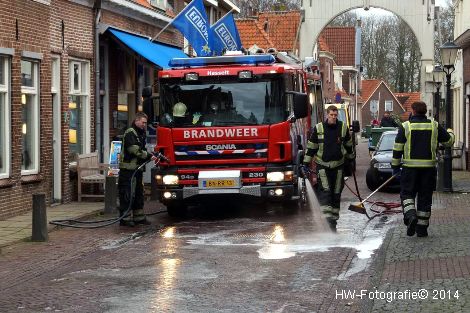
418	14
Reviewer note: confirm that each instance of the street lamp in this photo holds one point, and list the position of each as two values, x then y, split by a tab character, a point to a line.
437	78
448	55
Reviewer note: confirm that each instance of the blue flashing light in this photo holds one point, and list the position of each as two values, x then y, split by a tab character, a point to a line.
221	60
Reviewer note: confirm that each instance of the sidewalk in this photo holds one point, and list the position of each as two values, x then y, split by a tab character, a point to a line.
436	268
19	227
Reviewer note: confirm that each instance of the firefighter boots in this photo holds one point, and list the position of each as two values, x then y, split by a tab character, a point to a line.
421	231
143	222
126	223
411	227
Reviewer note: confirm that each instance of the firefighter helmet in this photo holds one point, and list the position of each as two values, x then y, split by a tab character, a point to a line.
179	109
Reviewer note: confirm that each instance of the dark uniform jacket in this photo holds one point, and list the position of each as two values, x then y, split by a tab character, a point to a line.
388	122
329	144
417	140
133	148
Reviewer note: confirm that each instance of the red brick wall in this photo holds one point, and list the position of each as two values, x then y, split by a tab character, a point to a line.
384	95
40	31
75	43
328	86
33	33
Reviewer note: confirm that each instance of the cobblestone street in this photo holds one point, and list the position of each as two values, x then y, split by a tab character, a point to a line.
230	262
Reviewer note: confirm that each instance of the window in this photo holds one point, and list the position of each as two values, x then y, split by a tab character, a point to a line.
79	108
30	117
328	72
389	105
4	117
158	3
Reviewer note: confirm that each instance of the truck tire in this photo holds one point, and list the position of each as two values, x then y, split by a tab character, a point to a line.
176	210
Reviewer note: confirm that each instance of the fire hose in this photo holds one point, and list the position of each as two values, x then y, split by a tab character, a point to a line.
108	222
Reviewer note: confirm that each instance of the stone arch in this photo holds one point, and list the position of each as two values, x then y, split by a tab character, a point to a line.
418	14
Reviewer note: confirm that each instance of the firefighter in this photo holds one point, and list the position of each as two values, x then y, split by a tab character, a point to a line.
132	156
179	114
415	151
330	146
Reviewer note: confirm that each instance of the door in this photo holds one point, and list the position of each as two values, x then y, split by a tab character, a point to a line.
56	131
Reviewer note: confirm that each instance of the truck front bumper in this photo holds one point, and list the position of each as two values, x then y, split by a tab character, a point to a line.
280	192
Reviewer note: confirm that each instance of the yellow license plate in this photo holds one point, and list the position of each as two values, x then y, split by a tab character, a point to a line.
220	183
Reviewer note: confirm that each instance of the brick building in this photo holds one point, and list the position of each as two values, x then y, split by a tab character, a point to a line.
462	38
378	98
51	52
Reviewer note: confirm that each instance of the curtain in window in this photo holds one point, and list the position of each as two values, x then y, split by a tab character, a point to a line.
29	131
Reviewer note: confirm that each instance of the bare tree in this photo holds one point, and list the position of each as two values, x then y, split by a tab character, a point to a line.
253	7
444	27
389	50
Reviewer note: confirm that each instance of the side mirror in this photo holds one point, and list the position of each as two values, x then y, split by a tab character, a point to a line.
147	92
355	126
299	103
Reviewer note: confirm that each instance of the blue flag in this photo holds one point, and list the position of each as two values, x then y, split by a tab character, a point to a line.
226	35
192	22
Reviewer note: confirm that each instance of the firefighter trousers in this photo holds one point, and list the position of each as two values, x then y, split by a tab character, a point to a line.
417	186
126	187
330	184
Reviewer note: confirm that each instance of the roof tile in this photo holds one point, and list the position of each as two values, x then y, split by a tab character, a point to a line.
341	42
368	87
251	33
407	99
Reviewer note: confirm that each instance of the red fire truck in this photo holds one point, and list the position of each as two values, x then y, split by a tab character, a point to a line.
231	126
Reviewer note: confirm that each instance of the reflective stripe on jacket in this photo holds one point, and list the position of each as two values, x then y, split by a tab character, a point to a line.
316	146
416	143
133	150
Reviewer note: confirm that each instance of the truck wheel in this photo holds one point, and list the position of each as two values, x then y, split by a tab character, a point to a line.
177	210
371	180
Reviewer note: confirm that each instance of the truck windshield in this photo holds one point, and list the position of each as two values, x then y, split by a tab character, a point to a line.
227	102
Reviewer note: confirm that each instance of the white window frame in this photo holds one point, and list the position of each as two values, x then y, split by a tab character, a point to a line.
83	91
158	4
5	89
56	126
390	103
34	91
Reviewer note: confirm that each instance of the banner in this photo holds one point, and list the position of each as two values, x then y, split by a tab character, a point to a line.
226	35
192	22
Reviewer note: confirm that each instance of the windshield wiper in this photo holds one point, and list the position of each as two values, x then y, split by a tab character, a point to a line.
235	123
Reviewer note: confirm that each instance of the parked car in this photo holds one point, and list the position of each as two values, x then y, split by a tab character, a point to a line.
381	162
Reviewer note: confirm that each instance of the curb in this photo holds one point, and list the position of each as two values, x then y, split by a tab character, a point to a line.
50	228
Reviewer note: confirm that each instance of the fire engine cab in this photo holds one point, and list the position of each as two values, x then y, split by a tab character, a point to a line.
231	126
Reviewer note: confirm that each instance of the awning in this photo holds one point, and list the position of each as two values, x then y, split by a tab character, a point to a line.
156	53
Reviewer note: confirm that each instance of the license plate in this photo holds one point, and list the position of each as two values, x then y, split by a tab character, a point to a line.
219	183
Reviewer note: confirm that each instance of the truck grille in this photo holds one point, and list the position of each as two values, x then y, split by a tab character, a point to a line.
210	152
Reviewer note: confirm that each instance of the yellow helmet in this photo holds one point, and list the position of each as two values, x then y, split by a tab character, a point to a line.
179	109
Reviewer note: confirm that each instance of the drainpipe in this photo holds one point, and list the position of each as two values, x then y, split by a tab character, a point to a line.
98	104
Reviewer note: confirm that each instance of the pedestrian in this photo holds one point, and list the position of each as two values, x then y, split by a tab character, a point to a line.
330	146
388	121
133	154
415	151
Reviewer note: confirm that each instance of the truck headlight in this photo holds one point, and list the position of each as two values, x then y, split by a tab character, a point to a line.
170	180
275	176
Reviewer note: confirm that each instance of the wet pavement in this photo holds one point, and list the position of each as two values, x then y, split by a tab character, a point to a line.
233	257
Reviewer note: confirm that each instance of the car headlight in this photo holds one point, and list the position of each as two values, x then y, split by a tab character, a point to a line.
170	180
383	165
275	176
